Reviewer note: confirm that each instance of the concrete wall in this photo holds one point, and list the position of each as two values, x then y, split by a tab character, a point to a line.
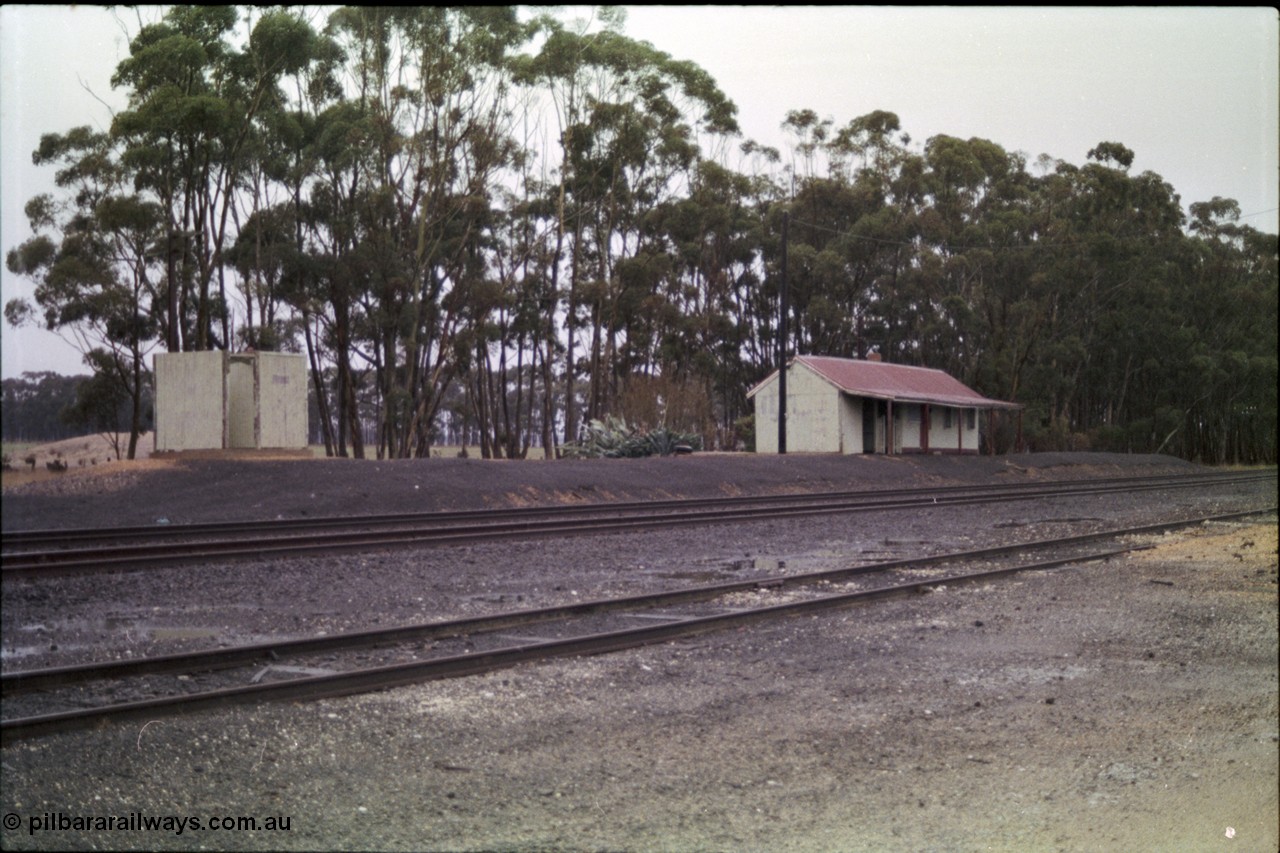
282	388
215	400
190	400
242	401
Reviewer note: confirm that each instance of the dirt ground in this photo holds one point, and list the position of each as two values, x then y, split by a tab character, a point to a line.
1128	705
101	462
86	451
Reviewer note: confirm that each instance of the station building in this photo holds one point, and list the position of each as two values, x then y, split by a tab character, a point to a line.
842	405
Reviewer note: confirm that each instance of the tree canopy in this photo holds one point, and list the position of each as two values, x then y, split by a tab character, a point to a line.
483	224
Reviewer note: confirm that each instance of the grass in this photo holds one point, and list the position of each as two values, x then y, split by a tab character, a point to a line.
15	447
17	450
437	452
14	451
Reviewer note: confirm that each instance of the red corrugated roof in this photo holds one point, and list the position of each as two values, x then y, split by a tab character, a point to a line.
898	382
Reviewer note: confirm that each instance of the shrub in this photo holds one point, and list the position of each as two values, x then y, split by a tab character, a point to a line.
613	438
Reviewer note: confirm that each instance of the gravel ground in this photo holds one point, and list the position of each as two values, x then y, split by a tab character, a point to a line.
1122	706
194	487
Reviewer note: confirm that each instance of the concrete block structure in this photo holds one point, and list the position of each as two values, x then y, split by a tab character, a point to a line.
841	405
219	400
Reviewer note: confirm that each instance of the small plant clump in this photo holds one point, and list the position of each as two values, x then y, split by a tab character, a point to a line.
613	438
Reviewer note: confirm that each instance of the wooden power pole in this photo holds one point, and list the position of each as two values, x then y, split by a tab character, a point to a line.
782	345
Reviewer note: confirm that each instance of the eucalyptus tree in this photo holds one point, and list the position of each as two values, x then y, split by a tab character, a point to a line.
514	398
1227	384
286	251
850	235
427	92
193	97
283	270
1112	235
94	261
266	207
561	68
706	334
975	229
263	251
746	199
31	406
639	157
628	116
329	162
529	268
809	137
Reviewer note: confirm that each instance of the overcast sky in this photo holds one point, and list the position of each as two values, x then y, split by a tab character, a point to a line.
1193	92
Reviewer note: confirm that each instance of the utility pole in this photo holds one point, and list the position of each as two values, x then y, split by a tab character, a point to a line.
173	341
782	345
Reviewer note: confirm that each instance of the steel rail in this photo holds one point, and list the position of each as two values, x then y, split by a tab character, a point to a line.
393	675
48	563
38	537
13	682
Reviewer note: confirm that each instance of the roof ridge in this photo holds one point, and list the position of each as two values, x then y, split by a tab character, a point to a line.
884	381
869	361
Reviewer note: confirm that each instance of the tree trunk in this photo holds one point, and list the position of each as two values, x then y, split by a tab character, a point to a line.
317	382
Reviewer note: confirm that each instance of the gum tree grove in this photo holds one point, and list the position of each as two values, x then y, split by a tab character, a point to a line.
491	226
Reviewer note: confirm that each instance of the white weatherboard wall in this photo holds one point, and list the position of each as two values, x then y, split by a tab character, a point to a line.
190	400
953	429
823	419
907	426
819	418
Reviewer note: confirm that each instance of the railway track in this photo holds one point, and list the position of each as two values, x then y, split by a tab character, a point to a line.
374	660
31	553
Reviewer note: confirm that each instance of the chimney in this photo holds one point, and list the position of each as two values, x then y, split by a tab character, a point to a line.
873	356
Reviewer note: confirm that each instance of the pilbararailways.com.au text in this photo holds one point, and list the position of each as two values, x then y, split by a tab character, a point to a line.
139	822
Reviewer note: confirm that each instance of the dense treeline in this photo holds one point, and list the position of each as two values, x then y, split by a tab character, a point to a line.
33	406
40	407
476	222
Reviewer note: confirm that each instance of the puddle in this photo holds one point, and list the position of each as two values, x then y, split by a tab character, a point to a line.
705	577
13	653
19	652
1028	675
758	564
132	629
498	598
180	633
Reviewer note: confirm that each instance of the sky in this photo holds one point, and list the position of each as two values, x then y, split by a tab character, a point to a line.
1194	92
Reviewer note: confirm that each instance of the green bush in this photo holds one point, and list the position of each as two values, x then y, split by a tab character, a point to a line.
613	438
